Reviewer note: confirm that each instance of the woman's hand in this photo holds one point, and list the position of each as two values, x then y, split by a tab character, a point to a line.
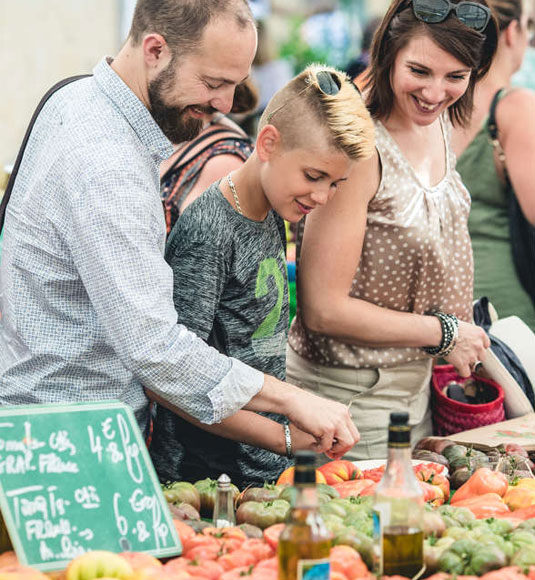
471	347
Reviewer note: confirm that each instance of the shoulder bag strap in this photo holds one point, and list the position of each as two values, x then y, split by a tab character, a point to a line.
13	176
183	155
492	127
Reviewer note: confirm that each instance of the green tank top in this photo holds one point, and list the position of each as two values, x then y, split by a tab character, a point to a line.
488	223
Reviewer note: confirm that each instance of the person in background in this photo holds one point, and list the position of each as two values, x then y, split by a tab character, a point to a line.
384	272
220	147
482	172
525	75
85	293
229	269
358	65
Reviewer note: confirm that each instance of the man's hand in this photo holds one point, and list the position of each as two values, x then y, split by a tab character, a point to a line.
329	422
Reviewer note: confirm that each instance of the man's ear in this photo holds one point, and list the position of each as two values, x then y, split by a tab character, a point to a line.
268	141
156	52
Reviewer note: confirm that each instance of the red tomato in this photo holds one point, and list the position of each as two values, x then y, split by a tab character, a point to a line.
429	475
264	574
259	548
432	493
271	564
241	573
271	534
233	532
352	488
237	559
185	532
197	569
374	474
340	470
203	548
348	562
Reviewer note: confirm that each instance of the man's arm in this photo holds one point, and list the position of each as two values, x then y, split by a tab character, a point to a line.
116	242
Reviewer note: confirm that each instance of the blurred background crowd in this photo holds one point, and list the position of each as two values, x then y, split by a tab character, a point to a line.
58	38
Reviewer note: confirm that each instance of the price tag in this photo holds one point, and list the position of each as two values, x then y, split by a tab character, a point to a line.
78	477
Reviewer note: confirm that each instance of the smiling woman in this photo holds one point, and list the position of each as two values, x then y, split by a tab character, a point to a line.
384	272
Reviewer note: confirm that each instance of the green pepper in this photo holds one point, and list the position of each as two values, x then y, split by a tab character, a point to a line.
456	532
333	508
524	558
455	516
501	527
485	558
456	558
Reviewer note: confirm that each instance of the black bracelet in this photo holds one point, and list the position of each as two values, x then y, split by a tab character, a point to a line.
450	328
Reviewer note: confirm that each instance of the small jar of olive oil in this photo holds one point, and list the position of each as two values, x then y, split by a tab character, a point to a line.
305	542
398	507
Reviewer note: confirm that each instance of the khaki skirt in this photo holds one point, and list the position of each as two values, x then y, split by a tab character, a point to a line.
371	394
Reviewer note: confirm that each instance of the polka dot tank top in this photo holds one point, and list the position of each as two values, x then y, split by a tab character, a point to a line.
416	257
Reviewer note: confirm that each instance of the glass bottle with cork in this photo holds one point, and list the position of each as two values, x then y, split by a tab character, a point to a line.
305	542
398	507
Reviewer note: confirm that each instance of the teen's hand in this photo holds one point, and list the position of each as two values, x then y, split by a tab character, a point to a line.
471	347
301	440
329	422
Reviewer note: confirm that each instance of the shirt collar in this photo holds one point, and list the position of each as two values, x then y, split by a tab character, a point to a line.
135	112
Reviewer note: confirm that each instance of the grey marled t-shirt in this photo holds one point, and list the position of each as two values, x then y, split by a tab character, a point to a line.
231	289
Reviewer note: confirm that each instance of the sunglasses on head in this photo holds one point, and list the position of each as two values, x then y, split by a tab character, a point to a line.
328	84
471	14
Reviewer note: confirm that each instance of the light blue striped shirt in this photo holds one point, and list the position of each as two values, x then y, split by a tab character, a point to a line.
85	293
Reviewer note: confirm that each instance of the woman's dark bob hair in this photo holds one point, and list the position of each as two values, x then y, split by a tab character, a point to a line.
474	49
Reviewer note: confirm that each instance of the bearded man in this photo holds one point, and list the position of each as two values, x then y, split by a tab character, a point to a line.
86	295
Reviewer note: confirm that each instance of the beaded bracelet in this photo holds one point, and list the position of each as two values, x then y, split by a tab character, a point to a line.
288	438
450	331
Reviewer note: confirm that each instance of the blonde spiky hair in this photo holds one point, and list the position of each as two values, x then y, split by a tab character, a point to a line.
302	105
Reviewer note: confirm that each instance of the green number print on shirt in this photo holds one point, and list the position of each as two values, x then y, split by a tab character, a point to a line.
264	338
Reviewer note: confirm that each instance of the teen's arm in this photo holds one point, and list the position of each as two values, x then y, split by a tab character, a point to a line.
250	428
330	254
200	273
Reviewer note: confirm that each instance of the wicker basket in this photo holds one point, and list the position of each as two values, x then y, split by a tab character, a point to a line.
451	416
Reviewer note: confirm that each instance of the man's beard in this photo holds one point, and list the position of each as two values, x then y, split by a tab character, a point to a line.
175	122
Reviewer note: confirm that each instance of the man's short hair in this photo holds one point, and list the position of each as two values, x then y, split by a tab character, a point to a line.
182	22
304	114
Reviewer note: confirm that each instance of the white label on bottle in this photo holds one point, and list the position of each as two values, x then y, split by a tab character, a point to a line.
319	569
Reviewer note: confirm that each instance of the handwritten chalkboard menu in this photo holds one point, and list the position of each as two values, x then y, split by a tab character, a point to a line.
75	478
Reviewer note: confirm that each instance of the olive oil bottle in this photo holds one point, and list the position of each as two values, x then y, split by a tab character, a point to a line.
398	507
305	542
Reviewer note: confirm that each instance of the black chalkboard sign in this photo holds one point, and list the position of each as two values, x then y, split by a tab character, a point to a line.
78	477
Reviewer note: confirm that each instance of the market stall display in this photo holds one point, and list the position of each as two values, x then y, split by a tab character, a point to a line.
481	525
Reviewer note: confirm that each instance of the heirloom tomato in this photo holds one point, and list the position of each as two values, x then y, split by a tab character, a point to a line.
98	563
207	489
353	488
340	470
268	492
262	513
287	476
182	492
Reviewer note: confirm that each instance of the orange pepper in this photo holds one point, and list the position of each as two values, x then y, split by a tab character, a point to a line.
485	506
518	497
526	482
483	481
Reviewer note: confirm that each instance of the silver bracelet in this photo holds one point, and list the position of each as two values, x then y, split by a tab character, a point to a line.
288	438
